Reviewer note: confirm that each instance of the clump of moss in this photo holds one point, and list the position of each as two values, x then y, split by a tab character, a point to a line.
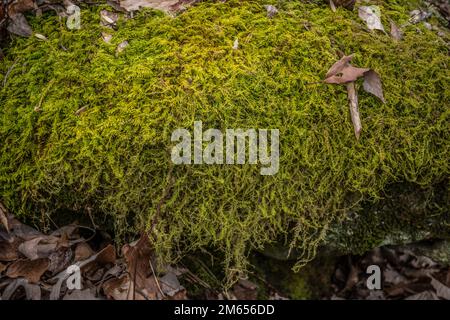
113	160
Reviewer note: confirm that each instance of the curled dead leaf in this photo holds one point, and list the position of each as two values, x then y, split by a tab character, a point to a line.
372	16
139	257
372	84
32	270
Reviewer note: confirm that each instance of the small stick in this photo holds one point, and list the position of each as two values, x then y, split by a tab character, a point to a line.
354	112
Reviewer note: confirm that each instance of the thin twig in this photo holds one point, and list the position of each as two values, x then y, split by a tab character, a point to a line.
156	278
354	112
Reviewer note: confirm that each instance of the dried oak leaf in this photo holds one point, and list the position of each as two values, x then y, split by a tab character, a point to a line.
116	288
343	72
83	251
372	16
32	270
39	247
396	33
372	84
138	257
20	6
18	25
8	250
442	290
163	5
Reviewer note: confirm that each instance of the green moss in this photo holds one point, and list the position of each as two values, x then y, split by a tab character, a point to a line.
113	160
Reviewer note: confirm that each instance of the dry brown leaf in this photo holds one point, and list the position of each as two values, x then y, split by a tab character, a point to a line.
343	72
338	66
18	25
83	251
4	217
32	270
60	259
39	247
442	291
116	288
8	250
396	33
138	257
22	231
134	5
348	74
20	6
106	256
170	285
372	84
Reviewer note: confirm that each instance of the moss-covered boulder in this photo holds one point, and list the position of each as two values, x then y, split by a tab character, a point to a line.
86	130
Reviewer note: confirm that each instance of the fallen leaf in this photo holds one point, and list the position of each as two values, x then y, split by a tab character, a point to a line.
108	18
20	6
392	276
22	231
106	256
18	25
60	259
372	84
236	44
32	270
170	284
106	37
442	291
134	5
396	33
121	47
138	257
116	288
83	251
271	10
348	74
2	267
39	247
417	16
338	66
8	250
32	291
371	15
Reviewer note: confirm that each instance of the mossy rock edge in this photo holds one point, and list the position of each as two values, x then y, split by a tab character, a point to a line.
113	160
